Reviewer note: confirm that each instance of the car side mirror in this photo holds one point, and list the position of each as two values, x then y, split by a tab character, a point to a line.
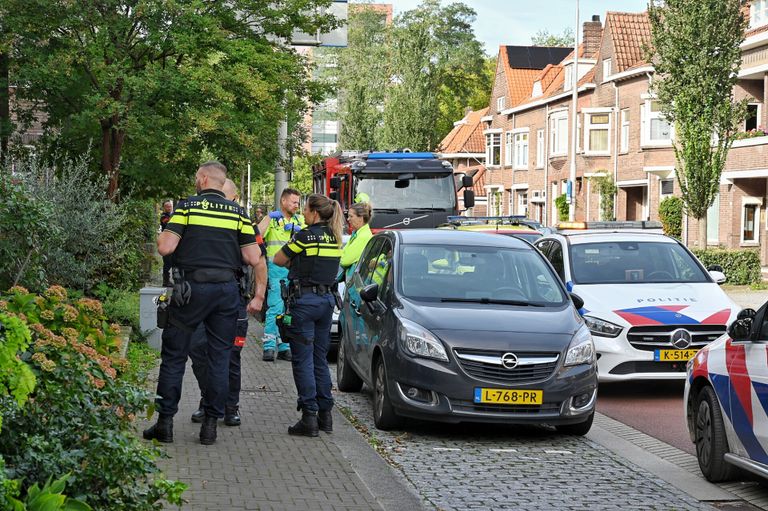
335	183
578	301
717	276
715	267
746	314
740	329
369	292
469	198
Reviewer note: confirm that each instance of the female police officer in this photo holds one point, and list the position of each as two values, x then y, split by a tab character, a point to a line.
313	258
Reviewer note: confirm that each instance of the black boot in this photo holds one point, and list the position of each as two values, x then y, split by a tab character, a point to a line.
162	430
232	416
307	425
199	415
325	421
208	430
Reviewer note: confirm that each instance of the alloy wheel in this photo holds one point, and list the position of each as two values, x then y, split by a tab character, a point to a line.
703	433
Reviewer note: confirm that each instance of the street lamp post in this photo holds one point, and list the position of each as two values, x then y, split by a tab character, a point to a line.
575	121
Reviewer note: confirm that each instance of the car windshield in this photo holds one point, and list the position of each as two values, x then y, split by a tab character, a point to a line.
633	262
435	191
530	237
481	274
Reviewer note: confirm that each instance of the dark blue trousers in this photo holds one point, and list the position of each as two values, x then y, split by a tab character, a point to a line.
310	337
215	305
199	356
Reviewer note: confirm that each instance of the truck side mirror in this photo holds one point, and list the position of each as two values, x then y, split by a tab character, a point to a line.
334	195
469	198
335	183
466	181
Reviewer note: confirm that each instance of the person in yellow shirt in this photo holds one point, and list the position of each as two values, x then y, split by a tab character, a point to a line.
358	217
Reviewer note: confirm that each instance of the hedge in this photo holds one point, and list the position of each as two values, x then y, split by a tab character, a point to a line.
740	266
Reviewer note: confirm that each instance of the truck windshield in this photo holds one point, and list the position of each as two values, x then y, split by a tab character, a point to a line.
431	191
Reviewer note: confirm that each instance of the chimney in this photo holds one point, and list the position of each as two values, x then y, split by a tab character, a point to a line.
593	32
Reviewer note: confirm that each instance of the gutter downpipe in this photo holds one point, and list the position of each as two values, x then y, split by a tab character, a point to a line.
575	119
546	166
512	186
617	132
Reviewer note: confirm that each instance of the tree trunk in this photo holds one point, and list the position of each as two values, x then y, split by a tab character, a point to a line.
702	232
112	140
5	105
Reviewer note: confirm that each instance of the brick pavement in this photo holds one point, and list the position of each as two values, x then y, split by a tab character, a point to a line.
258	466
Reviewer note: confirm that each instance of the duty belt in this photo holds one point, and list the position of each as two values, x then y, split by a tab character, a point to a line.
210	275
318	289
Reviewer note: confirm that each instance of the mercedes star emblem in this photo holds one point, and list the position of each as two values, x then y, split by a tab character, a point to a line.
509	360
680	339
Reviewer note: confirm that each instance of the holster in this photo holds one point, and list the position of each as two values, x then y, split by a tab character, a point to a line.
336	295
182	291
245	282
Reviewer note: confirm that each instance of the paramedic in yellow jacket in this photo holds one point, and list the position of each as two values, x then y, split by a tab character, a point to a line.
358	216
277	228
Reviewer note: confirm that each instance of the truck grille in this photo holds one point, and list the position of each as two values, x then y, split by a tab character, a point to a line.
486	365
650	338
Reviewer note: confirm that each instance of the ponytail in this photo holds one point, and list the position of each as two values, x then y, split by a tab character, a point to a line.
329	211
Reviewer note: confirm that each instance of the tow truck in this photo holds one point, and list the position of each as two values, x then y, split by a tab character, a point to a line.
407	190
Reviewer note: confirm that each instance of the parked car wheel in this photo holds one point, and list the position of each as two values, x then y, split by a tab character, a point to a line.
579	429
710	439
384	415
347	379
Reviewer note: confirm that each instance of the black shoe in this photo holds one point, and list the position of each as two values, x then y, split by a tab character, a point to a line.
162	430
307	425
232	416
199	414
285	355
208	430
325	421
268	356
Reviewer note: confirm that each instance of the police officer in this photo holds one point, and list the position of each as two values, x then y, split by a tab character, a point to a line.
313	258
199	350
210	238
277	228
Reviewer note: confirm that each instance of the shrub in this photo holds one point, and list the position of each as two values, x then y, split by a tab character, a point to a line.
607	189
671	216
561	203
79	419
740	266
120	305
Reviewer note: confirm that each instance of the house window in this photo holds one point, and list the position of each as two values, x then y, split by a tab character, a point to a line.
606	68
568	83
758	13
501	103
558	145
539	149
625	130
749	215
521	150
493	149
508	148
753	117
656	129
667	187
522	203
494	202
598	126
537	91
713	222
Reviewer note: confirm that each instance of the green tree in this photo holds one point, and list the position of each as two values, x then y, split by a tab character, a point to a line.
154	83
546	38
605	186
434	54
695	50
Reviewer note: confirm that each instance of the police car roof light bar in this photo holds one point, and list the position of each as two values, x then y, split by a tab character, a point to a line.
631	224
460	219
401	156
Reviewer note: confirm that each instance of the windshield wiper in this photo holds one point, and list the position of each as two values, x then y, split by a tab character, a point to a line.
418	210
493	301
387	210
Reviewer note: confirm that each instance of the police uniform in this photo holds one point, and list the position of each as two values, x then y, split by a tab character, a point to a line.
314	254
277	234
212	230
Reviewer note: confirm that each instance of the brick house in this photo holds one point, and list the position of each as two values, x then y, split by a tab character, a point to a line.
621	133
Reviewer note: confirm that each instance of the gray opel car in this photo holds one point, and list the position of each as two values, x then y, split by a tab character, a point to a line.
458	326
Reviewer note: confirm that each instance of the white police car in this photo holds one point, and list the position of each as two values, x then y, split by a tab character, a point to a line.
648	301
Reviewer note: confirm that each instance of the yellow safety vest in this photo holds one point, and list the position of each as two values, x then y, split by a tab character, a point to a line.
276	235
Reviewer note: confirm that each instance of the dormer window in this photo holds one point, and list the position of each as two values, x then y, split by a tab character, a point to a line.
606	68
501	103
758	13
537	91
568	84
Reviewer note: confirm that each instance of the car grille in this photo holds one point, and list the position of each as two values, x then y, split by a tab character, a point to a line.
527	371
647	366
650	338
469	406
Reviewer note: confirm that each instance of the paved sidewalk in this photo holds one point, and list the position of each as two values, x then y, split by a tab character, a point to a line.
258	466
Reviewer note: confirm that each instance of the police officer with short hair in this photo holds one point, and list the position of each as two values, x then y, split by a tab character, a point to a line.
313	258
210	238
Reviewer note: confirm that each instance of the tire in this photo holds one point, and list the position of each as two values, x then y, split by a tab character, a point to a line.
347	379
578	429
384	416
710	439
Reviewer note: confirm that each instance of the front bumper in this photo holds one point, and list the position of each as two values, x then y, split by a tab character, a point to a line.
446	394
618	361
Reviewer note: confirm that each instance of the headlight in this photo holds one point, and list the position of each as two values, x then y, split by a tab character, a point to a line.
581	349
602	328
419	342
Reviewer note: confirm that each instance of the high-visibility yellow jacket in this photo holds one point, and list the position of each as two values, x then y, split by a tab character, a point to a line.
354	249
276	235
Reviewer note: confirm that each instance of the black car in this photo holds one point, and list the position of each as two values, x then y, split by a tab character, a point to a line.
460	326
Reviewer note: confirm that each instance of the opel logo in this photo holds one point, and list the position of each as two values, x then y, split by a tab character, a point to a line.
509	360
680	338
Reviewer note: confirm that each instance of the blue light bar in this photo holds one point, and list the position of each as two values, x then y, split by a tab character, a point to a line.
401	156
